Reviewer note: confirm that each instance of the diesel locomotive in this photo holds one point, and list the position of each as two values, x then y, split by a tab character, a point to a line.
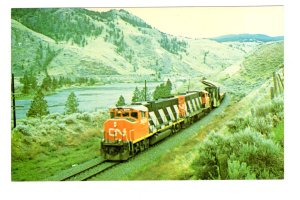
134	128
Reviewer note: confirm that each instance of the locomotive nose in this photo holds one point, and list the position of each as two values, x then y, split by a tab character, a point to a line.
116	130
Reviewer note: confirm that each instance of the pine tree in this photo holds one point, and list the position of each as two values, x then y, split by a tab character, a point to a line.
55	84
136	95
33	81
148	94
163	90
158	92
72	104
168	88
26	84
39	106
121	101
47	83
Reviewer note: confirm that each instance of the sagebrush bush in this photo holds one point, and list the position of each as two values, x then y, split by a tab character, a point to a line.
84	116
239	171
221	156
24	129
70	119
263	125
238	124
53	116
277	105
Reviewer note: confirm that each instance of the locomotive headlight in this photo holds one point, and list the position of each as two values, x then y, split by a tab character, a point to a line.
119	140
115	124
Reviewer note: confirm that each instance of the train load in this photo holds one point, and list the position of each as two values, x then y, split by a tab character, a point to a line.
134	128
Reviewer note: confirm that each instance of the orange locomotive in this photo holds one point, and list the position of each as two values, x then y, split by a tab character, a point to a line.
135	127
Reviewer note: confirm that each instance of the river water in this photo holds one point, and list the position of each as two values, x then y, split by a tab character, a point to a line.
90	99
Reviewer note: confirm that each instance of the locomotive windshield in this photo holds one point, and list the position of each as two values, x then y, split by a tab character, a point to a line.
123	113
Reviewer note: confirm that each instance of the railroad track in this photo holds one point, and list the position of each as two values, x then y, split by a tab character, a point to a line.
84	171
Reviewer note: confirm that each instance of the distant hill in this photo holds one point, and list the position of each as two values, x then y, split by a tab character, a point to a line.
247	38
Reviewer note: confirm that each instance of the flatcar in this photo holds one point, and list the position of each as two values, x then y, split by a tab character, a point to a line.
134	128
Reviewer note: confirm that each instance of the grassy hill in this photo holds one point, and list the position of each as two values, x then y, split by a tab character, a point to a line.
255	69
84	43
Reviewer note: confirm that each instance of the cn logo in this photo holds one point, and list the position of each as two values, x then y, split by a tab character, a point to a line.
115	131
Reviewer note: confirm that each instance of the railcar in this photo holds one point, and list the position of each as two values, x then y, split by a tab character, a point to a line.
134	128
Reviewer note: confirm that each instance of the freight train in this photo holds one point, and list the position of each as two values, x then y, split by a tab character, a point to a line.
134	128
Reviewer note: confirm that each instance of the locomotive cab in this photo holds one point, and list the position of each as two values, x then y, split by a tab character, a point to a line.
125	113
124	128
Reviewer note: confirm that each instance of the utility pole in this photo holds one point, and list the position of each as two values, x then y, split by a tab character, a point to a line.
145	90
13	99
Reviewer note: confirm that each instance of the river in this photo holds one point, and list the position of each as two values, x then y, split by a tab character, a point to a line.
90	99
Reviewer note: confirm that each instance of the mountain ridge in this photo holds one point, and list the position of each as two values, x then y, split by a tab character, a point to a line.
247	38
97	44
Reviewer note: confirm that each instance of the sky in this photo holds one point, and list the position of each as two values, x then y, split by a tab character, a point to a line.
206	22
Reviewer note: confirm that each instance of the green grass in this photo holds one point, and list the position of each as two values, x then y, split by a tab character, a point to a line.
48	145
279	133
47	164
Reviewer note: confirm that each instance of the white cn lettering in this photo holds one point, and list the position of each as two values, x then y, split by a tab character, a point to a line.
114	132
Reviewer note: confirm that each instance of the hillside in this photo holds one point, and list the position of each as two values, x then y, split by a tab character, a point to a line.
256	68
82	43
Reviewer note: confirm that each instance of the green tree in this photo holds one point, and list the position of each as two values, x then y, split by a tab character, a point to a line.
91	81
168	88
39	106
136	95
72	104
26	83
163	90
47	83
55	84
33	81
148	94
121	101
158	92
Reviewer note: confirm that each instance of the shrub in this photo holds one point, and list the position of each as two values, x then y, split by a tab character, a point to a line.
262	111
84	116
78	129
263	125
61	126
244	155
24	129
277	105
70	119
239	171
261	154
54	116
278	134
272	108
238	124
207	165
59	140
